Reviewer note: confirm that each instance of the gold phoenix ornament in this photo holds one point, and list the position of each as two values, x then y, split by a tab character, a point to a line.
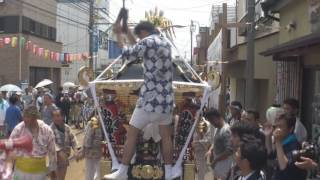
157	18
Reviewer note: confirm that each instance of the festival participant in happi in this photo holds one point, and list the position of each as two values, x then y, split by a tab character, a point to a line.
32	165
65	141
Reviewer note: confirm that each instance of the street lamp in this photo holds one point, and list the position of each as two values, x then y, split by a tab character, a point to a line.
192	30
198	39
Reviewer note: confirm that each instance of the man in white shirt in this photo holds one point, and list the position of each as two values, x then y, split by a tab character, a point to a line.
291	106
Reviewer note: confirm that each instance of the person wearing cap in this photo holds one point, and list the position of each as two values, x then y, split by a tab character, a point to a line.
33	165
48	108
235	111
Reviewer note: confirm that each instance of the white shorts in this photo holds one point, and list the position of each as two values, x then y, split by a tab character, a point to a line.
141	118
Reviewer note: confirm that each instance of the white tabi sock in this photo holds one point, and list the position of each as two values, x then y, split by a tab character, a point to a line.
167	171
123	168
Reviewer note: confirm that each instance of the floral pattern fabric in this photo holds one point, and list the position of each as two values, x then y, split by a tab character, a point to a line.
64	140
43	143
156	93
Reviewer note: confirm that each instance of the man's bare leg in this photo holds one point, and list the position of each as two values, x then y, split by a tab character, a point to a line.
166	143
130	145
167	148
129	150
61	173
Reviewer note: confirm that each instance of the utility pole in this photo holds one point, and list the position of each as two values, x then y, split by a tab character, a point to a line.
20	45
91	34
191	37
250	84
222	96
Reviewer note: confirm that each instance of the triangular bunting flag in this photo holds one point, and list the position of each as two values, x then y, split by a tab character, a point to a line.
7	40
14	42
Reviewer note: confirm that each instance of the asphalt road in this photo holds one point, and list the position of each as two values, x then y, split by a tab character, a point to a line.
76	170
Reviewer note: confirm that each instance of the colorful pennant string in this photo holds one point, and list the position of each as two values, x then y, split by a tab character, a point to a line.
39	51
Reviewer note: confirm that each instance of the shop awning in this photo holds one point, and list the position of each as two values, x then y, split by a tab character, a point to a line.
296	44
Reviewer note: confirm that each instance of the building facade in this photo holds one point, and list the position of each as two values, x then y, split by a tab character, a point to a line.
75	35
232	46
200	51
296	56
266	35
33	21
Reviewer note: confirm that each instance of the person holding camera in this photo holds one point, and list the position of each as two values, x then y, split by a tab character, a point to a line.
306	164
285	143
306	159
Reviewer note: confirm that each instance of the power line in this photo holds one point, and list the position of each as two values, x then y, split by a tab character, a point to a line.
54	14
77	5
68	13
76	41
186	8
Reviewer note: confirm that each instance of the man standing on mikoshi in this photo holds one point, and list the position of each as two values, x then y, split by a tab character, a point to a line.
155	103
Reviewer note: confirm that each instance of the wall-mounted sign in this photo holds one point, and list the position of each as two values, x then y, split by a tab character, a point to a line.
203	29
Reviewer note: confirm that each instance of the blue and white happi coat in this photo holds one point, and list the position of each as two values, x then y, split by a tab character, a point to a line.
156	93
